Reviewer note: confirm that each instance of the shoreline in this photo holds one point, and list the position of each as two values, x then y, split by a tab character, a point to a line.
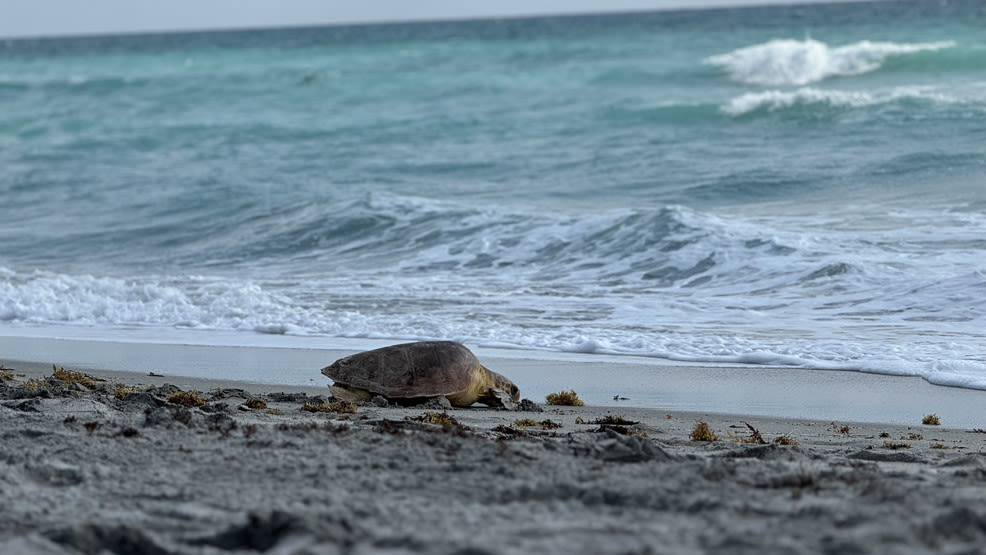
85	470
760	391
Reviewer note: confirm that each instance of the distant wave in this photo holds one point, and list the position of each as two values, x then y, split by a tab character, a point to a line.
792	62
807	96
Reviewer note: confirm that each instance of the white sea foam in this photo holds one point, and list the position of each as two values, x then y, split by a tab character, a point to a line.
675	283
958	373
47	297
793	62
805	96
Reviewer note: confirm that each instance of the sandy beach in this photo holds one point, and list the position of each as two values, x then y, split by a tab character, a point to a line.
114	466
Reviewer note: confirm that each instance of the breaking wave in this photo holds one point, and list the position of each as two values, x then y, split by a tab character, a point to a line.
672	283
772	100
793	62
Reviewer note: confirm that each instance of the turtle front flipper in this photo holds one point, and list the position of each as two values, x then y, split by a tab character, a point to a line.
502	399
500	391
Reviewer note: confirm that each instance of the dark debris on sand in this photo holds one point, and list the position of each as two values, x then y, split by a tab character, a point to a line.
100	470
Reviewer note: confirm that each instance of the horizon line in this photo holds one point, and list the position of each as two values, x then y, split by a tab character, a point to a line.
754	4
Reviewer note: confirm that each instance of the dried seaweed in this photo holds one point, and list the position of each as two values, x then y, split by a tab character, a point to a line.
338	407
787	440
256	404
564	398
122	391
188	399
67	376
754	437
610	420
531	423
702	432
507	430
439	419
931	420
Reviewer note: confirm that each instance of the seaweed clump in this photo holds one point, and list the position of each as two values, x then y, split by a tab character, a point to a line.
754	437
438	418
610	420
564	398
69	377
787	440
528	427
256	404
32	385
338	407
5	374
702	432
508	431
547	424
931	420
122	391
189	399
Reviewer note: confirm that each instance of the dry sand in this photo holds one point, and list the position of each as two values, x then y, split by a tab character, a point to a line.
82	471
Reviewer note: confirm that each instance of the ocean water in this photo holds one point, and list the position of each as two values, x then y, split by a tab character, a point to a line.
799	186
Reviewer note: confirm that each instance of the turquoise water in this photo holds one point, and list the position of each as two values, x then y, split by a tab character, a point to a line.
788	185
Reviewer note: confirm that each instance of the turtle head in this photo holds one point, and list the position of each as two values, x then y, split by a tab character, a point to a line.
500	392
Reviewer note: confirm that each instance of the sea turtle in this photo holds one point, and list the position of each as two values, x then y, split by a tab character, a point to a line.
414	372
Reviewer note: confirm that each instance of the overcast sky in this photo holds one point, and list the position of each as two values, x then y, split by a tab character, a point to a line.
27	18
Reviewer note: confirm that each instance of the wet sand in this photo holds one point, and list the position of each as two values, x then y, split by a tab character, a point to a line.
88	469
283	361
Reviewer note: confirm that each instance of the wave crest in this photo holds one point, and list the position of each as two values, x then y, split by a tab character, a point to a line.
808	96
792	62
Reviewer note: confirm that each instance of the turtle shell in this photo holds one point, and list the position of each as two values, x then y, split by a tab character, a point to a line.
421	369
